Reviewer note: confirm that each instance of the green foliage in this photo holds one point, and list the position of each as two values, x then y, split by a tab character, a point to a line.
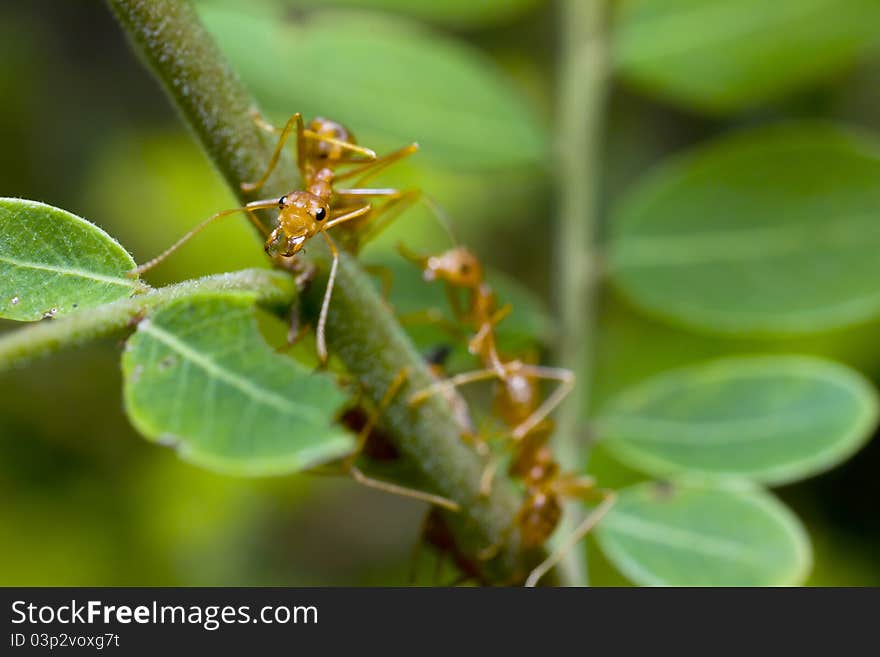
198	375
391	78
661	534
772	231
774	419
53	263
271	289
728	55
455	13
768	233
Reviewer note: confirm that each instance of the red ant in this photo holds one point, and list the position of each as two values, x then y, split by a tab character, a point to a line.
459	268
321	148
518	402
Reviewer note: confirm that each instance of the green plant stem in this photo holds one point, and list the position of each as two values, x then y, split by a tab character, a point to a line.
269	288
361	332
582	91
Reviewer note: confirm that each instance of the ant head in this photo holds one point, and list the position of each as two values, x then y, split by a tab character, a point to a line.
302	216
458	267
322	150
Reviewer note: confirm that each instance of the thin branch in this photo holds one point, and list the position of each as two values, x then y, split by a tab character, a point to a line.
361	331
270	288
582	95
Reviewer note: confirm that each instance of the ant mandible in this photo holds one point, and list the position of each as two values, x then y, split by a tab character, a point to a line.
302	214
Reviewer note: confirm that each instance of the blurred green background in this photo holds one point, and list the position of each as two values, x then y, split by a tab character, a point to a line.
85	128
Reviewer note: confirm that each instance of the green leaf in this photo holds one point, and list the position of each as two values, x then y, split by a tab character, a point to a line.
455	13
775	419
772	231
198	375
660	534
727	55
389	77
53	262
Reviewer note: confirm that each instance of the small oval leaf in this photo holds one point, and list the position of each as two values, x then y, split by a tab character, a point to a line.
774	419
391	78
728	55
661	534
198	375
772	231
53	262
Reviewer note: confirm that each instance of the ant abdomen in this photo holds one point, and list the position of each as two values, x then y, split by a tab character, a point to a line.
326	150
538	518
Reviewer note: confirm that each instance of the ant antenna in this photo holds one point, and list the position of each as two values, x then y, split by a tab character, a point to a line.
440	215
249	208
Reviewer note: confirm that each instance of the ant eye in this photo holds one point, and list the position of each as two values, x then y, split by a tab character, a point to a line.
281	201
320	214
464	269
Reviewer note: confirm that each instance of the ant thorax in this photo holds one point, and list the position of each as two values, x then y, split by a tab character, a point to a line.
516	399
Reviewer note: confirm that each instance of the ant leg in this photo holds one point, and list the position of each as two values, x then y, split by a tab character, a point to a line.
446	385
262	123
356	474
325	304
347	215
367	154
361	478
403	491
488	477
366	171
566	383
331	281
490	552
397	203
293	121
592	519
486	328
419	261
295	330
393	388
249	208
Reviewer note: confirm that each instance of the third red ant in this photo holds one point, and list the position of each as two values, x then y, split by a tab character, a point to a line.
518	403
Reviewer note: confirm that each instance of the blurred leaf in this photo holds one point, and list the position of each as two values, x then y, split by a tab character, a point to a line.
53	262
727	55
456	13
772	231
674	535
199	375
774	419
386	76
